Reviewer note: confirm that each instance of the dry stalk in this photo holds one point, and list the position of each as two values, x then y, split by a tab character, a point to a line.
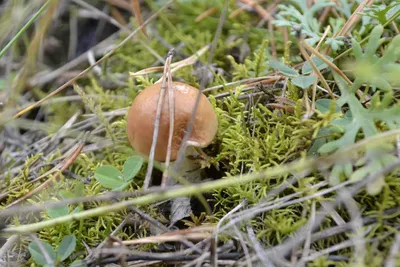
150	165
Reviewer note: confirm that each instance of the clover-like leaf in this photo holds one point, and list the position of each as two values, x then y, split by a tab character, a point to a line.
109	176
37	253
307	69
58	212
121	187
66	247
131	167
324	105
76	210
79	190
65	194
323	136
304	81
283	68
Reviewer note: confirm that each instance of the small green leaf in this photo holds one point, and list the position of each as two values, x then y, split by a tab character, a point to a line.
79	189
346	120
58	212
304	81
307	69
77	263
37	254
324	105
320	140
131	167
66	247
121	187
76	210
109	176
66	194
285	69
373	42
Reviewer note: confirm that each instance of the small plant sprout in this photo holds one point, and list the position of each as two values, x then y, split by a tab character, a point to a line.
43	253
110	177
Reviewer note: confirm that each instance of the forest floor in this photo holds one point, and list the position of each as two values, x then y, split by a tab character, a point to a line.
303	169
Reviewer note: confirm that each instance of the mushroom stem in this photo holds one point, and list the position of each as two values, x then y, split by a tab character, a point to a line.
192	172
188	168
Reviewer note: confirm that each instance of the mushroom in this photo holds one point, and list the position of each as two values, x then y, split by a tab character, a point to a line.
142	115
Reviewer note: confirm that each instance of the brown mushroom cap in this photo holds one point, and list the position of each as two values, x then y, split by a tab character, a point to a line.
142	113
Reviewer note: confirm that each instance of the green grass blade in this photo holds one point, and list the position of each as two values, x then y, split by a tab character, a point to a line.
23	29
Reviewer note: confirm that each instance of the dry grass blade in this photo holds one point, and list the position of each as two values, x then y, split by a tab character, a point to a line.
264	14
195	234
33	50
171	105
163	228
357	225
26	26
394	252
174	66
10	243
227	216
136	11
283	249
316	71
164	86
206	14
354	18
326	61
121	4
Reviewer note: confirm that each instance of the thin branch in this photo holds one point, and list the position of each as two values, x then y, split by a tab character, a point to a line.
214	255
171	105
260	251
162	227
154	256
8	245
160	103
394	252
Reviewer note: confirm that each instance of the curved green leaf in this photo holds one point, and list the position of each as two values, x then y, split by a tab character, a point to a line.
66	247
37	253
324	105
131	167
285	69
109	176
307	69
58	212
304	81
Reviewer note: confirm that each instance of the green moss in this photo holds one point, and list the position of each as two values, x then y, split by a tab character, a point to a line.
252	136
